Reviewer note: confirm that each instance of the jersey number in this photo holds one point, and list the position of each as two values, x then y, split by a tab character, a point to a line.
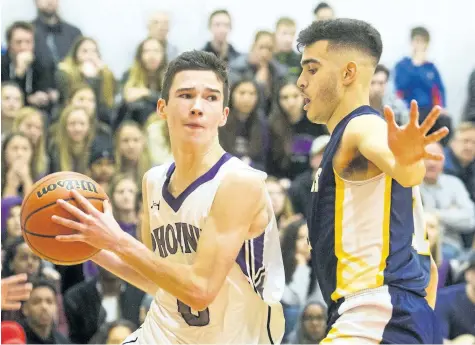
200	320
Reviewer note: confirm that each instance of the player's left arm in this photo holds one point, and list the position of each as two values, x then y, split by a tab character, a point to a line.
239	202
431	289
398	151
369	135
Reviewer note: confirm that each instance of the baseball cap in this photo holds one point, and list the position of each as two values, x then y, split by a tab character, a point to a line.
319	144
101	149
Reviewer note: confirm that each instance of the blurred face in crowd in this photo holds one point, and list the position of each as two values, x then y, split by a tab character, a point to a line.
32	127
378	85
131	143
245	97
314	323
25	261
195	108
302	245
220	27
13	222
85	98
125	195
284	37
47	7
433	168
102	170
158	26
12	100
77	125
263	48
87	52
324	14
277	196
152	54
41	308
419	44
21	41
291	100
118	334
432	228
18	149
463	146
321	80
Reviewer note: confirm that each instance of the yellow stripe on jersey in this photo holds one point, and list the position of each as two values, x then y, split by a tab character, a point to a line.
386	230
355	271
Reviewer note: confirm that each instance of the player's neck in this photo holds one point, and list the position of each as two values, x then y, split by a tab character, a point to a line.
353	99
189	165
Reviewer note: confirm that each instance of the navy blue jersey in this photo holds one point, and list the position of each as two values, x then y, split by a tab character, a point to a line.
365	234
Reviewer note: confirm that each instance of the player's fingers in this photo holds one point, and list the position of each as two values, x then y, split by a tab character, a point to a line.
437	135
16	279
85	204
69	223
11	305
430	119
414	113
70	238
20	288
18	295
433	157
73	210
389	116
107	206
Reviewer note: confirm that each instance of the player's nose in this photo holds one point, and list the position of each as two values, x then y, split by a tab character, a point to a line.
197	108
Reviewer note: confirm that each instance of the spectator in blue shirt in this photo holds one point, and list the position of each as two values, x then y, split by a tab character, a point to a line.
416	77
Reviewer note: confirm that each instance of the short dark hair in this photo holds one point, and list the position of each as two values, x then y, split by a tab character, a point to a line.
43	282
196	60
420	31
342	32
215	13
18	25
382	68
321	6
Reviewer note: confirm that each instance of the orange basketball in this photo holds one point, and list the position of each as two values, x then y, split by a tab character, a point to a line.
40	205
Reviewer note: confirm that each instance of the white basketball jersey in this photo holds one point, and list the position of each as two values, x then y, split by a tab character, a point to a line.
247	309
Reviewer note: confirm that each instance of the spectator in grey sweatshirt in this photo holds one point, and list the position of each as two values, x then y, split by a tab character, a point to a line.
379	96
298	278
447	197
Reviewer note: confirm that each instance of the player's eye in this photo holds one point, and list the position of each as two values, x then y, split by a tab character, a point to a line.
185	95
312	70
212	98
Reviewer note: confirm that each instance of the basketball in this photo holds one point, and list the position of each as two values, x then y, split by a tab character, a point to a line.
40	205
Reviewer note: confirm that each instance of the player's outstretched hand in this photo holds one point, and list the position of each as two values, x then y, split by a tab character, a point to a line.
99	229
15	289
408	143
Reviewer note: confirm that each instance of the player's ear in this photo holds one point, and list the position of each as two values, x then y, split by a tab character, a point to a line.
349	73
161	108
224	117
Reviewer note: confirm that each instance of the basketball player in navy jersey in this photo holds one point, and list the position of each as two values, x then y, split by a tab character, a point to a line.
212	255
366	227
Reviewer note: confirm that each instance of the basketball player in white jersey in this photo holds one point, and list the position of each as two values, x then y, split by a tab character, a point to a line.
211	255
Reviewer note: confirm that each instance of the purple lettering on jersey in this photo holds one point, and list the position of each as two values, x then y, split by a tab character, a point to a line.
166	239
171	242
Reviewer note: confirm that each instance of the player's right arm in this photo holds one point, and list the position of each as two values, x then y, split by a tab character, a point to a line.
397	151
116	265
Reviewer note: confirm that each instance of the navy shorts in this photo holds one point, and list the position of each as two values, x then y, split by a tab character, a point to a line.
384	315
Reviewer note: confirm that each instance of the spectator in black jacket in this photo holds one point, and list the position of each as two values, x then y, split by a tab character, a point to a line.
469	113
91	303
20	66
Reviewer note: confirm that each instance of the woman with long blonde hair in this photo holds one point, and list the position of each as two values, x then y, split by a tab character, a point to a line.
156	130
72	141
131	152
84	65
142	83
30	122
